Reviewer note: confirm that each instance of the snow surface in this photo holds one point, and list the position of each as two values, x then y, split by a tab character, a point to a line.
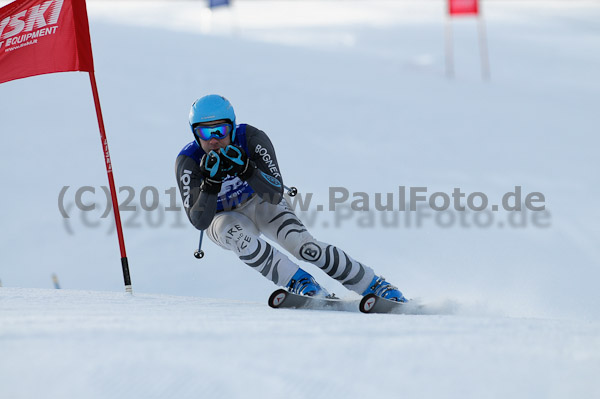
526	309
69	344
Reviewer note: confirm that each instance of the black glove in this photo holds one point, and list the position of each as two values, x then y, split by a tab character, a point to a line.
236	162
213	173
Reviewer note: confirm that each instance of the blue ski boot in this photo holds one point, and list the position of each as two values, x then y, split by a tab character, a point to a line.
302	283
383	289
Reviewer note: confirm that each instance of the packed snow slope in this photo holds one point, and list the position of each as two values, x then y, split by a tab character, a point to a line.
353	94
81	344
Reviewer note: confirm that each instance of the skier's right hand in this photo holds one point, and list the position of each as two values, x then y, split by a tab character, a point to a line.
210	168
236	163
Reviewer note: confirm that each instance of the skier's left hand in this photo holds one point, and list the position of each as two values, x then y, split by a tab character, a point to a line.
236	162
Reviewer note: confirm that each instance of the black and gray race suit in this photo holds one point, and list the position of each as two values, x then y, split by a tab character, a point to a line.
236	218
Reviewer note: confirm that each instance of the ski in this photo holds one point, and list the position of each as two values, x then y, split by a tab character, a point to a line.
373	304
282	298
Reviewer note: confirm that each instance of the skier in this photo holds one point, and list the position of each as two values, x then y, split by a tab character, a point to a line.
232	188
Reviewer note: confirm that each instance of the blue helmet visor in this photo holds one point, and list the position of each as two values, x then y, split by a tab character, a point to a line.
217	131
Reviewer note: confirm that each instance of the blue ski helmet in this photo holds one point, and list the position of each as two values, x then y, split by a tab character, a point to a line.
212	108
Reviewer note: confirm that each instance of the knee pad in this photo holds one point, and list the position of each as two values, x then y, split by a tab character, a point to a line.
230	229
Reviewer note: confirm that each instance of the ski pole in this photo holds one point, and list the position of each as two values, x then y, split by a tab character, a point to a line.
292	191
199	253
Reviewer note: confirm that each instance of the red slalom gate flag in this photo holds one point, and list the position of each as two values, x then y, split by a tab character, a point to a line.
44	36
463	7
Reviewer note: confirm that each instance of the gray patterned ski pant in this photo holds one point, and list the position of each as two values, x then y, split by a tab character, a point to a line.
240	231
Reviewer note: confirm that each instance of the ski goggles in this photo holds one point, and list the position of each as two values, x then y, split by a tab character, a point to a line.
217	131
